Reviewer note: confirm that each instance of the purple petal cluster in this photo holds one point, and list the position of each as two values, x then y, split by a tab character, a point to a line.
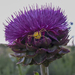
37	36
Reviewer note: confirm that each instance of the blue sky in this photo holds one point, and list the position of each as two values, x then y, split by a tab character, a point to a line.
8	7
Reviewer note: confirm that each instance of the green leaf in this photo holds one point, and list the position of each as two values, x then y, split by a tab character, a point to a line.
36	73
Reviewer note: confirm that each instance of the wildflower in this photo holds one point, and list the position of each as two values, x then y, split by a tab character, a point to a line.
37	36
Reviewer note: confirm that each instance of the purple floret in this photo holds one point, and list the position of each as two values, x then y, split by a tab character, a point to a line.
34	20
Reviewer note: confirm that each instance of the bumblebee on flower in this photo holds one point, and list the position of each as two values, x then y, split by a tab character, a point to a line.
37	36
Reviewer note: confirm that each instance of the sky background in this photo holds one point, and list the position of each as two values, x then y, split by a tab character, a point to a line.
8	7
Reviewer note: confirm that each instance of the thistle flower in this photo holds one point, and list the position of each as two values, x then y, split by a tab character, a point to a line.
37	35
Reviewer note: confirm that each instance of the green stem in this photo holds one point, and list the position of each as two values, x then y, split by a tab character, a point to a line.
44	70
20	72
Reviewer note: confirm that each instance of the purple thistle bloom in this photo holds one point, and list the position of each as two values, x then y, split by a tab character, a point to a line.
37	36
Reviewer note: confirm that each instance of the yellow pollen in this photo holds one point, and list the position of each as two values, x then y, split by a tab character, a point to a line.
37	35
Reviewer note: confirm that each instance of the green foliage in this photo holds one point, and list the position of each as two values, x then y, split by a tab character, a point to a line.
7	67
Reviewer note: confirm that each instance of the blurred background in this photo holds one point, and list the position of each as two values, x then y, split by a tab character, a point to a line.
63	66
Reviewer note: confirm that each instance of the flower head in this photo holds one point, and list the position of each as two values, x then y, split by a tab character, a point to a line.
37	36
